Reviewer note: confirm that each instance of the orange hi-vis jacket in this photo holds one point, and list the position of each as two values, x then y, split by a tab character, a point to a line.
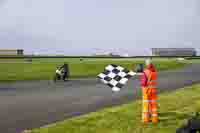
149	88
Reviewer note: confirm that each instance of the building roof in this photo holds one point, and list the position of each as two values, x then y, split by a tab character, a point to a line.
10	49
173	48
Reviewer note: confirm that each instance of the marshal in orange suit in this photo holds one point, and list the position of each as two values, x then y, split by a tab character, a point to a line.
148	82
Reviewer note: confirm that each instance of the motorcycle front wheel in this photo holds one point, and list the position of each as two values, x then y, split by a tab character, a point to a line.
56	77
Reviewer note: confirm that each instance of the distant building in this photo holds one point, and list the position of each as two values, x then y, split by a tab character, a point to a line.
11	52
174	52
114	55
107	54
125	55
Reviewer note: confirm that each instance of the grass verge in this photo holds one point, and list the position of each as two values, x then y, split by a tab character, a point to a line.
44	69
174	108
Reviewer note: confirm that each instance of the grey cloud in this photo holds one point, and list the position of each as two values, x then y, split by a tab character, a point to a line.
83	27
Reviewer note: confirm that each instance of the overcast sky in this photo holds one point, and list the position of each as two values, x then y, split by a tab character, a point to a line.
84	27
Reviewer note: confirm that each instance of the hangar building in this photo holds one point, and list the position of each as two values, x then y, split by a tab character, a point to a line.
174	52
11	52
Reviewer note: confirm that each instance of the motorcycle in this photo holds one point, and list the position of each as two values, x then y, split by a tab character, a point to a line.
58	75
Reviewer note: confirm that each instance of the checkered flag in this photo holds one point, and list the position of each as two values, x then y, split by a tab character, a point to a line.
115	76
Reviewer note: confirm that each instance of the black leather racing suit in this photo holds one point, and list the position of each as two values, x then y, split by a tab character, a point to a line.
65	70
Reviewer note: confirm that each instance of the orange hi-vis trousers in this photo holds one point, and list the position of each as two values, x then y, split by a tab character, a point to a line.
149	104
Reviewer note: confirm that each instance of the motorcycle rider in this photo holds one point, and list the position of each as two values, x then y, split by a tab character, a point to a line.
64	69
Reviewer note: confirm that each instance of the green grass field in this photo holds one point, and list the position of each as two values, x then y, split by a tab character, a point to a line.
44	69
175	107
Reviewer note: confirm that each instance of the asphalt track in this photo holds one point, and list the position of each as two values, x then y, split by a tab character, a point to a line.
31	104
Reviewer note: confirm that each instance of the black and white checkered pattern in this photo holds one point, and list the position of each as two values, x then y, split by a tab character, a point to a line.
115	76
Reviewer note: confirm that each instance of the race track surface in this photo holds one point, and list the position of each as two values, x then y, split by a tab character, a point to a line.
31	104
